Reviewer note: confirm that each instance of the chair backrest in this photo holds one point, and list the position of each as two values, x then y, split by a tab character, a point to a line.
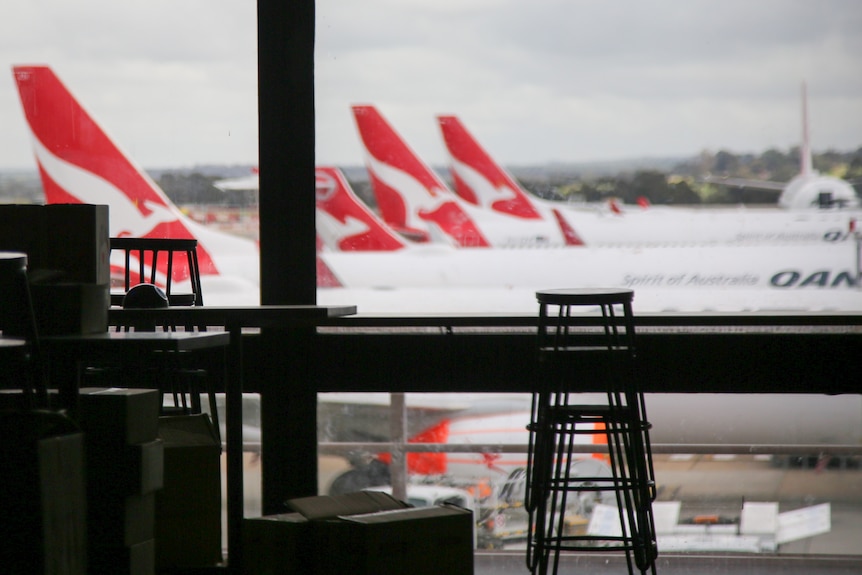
153	260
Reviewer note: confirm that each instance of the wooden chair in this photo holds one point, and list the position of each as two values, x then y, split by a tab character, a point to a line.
154	262
160	262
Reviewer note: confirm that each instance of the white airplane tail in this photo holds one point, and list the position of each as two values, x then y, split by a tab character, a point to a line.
409	194
806	163
809	189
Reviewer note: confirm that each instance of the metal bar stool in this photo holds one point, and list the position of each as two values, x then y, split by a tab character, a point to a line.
586	341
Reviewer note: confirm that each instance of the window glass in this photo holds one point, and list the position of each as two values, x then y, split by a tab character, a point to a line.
666	149
142	107
657	145
723	463
702	155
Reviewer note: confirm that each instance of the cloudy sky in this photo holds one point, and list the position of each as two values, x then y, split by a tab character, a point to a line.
174	81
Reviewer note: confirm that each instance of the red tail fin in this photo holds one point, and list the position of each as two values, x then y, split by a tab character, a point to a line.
79	163
409	194
571	236
325	276
343	221
426	463
478	178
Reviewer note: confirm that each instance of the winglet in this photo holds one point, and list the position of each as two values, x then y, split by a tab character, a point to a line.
571	236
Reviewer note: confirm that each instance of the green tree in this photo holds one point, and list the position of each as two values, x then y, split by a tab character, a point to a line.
726	163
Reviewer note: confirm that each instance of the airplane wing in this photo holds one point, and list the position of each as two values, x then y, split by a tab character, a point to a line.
745	183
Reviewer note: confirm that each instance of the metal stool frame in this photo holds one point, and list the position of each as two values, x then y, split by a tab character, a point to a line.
568	344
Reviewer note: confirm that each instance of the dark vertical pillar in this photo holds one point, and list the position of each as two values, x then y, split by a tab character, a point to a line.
287	245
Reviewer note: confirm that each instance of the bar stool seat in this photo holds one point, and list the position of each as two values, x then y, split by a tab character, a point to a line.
586	337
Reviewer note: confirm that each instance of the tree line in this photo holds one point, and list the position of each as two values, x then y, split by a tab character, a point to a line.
685	183
682	184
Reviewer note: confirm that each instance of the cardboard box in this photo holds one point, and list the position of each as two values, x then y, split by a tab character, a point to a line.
331	506
125	416
137	559
78	242
114	469
72	238
284	543
419	541
367	532
277	544
43	510
121	521
70	308
188	507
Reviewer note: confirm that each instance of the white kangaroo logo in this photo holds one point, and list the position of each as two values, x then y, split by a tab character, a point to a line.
126	218
486	193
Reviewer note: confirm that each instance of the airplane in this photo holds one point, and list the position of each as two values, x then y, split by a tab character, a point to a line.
801	216
484	186
427	278
467	276
809	189
415	201
493	420
78	162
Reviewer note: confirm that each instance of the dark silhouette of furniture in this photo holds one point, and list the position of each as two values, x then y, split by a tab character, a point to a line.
23	366
151	266
155	261
582	332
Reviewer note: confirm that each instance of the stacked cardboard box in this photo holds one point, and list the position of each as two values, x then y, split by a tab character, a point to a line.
42	501
360	533
188	508
125	462
68	251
